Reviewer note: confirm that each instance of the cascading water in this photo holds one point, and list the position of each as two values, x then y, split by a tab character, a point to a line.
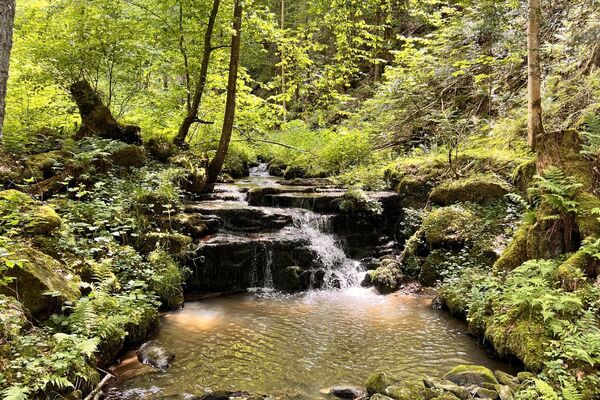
340	271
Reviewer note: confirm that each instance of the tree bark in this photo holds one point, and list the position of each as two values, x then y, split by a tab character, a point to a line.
535	124
216	164
7	17
283	83
192	114
96	118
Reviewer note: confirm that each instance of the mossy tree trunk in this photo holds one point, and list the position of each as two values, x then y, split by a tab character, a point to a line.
216	164
535	125
7	16
192	112
96	118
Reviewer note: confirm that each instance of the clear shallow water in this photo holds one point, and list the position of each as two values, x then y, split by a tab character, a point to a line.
300	344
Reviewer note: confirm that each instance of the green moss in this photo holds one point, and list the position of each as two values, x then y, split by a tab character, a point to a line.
173	243
43	166
449	225
37	274
167	279
589	224
525	339
404	392
19	210
379	382
480	188
465	375
515	253
386	278
570	274
523	175
43	221
128	155
12	318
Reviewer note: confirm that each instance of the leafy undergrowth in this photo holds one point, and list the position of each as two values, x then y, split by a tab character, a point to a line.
105	285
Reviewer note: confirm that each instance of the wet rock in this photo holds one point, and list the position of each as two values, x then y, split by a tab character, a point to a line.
447	386
153	354
404	392
505	392
379	382
345	393
525	376
507	379
386	279
465	375
289	279
130	367
483	393
294	173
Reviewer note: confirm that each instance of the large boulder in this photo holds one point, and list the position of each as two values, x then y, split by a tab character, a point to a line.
22	212
386	279
449	226
39	282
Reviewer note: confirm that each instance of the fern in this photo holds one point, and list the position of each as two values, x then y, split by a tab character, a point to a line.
591	135
16	393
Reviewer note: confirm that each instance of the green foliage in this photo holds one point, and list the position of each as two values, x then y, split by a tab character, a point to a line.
591	135
555	191
356	202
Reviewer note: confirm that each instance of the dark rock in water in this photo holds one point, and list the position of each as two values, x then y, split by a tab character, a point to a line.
294	173
152	353
222	395
436	303
345	393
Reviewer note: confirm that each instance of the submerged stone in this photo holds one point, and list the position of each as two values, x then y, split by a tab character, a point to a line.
345	393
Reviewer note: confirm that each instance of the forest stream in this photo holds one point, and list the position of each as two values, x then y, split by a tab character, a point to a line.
334	334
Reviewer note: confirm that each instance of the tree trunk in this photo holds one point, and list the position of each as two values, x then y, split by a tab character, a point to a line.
192	115
7	16
216	163
283	83
96	118
535	125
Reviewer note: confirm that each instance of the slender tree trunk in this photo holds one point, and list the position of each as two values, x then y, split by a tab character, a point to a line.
192	114
7	16
535	125
216	164
283	86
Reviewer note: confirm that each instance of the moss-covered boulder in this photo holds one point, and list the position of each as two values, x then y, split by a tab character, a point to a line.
193	182
570	274
39	282
481	189
277	167
161	149
128	155
294	173
405	392
386	278
465	375
449	226
379	382
523	175
45	165
21	211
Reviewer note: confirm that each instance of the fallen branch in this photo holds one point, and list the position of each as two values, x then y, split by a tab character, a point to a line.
97	392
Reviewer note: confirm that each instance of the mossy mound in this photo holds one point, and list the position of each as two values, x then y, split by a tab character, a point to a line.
277	167
161	149
20	211
379	382
465	375
45	165
570	274
449	226
40	282
481	189
385	279
128	156
523	175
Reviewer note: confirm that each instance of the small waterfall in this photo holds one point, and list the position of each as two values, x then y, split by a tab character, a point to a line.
260	170
340	271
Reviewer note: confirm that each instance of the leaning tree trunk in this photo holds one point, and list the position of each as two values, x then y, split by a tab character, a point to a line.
535	125
96	118
7	16
215	166
192	114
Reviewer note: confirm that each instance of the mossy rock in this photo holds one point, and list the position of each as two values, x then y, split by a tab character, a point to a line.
43	166
13	318
516	252
174	243
570	273
128	156
277	167
386	279
288	279
481	189
465	375
379	382
379	396
449	226
194	182
525	339
36	274
161	149
523	175
404	392
33	218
